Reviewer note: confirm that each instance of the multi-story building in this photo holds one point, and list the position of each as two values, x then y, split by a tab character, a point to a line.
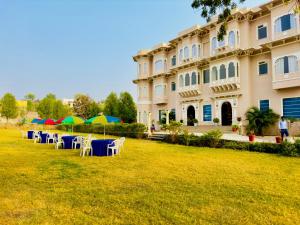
196	76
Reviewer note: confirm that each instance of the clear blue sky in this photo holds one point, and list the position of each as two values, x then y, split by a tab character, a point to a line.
83	46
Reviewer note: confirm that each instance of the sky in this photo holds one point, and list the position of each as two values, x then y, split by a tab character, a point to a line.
67	47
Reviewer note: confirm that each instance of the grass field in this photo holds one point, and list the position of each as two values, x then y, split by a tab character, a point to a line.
150	183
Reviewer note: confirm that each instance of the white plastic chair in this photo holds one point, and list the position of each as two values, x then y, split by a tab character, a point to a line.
59	142
77	141
87	148
122	141
50	137
36	137
23	134
113	147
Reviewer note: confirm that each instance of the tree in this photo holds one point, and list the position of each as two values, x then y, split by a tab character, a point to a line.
30	97
94	109
260	119
45	107
210	8
60	110
9	106
81	105
111	105
127	108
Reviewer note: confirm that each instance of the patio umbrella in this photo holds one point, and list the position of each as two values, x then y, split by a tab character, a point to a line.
35	120
41	121
103	120
72	120
49	122
59	121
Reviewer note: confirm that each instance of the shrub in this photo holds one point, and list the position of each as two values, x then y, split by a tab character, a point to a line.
297	145
236	145
216	120
186	137
174	128
288	149
212	138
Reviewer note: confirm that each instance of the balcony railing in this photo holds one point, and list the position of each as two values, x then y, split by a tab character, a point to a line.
286	81
190	91
287	33
228	84
160	100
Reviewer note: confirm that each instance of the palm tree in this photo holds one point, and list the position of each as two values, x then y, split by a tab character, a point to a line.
260	119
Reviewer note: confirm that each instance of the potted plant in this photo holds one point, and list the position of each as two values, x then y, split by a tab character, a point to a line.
216	121
235	128
278	140
195	121
251	136
239	119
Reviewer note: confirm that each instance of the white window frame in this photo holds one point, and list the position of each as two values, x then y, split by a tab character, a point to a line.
264	25
258	63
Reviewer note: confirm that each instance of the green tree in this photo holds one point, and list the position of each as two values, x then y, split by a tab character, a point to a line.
60	110
127	108
210	8
94	109
81	105
9	106
111	105
258	120
30	97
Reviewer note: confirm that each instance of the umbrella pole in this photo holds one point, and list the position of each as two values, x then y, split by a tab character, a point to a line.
104	131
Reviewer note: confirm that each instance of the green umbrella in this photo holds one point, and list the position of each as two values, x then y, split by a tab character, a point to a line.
72	120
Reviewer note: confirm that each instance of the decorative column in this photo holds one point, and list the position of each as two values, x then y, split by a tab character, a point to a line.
149	123
167	117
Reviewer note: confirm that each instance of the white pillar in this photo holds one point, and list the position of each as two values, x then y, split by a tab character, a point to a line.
149	123
167	117
138	117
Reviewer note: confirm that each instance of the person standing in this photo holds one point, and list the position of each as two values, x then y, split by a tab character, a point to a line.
283	127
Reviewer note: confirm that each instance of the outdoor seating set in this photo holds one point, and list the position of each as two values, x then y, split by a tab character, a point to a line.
89	146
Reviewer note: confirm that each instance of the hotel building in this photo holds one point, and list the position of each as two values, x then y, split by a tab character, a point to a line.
196	76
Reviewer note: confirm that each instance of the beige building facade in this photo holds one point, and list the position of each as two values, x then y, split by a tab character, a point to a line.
195	76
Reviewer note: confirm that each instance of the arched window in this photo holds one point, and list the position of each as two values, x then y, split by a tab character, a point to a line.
180	55
194	51
231	70
194	78
286	64
145	92
158	65
222	72
173	61
187	80
214	73
231	39
186	52
145	117
213	44
285	23
181	81
222	42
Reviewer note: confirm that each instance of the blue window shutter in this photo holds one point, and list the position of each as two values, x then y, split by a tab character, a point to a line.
262	32
291	107
206	112
264	105
286	64
285	22
263	68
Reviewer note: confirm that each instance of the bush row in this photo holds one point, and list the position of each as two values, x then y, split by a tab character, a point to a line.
134	130
211	140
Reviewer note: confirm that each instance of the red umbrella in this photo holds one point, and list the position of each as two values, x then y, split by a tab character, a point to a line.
49	122
59	121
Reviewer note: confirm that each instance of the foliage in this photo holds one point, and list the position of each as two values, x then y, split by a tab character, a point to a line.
111	105
216	120
210	8
134	130
81	105
187	137
258	119
127	108
30	97
212	137
174	129
50	107
93	110
288	149
9	108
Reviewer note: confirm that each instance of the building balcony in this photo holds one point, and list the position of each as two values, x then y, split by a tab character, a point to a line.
286	81
228	84
285	34
190	91
160	100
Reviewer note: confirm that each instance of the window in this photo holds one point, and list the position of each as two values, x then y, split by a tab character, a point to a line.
172	115
264	105
262	68
187	80
139	68
194	78
145	117
158	65
231	70
173	86
207	113
159	90
222	42
145	68
206	76
261	32
194	51
222	72
286	64
140	92
180	55
214	73
186	52
231	39
173	61
181	81
162	116
199	51
145	92
213	44
291	107
285	23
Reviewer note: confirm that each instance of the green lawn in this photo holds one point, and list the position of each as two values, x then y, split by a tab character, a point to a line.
150	183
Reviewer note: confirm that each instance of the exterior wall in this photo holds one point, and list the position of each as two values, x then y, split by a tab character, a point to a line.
243	90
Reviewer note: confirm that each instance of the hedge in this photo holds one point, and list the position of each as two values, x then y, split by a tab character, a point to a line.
134	130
